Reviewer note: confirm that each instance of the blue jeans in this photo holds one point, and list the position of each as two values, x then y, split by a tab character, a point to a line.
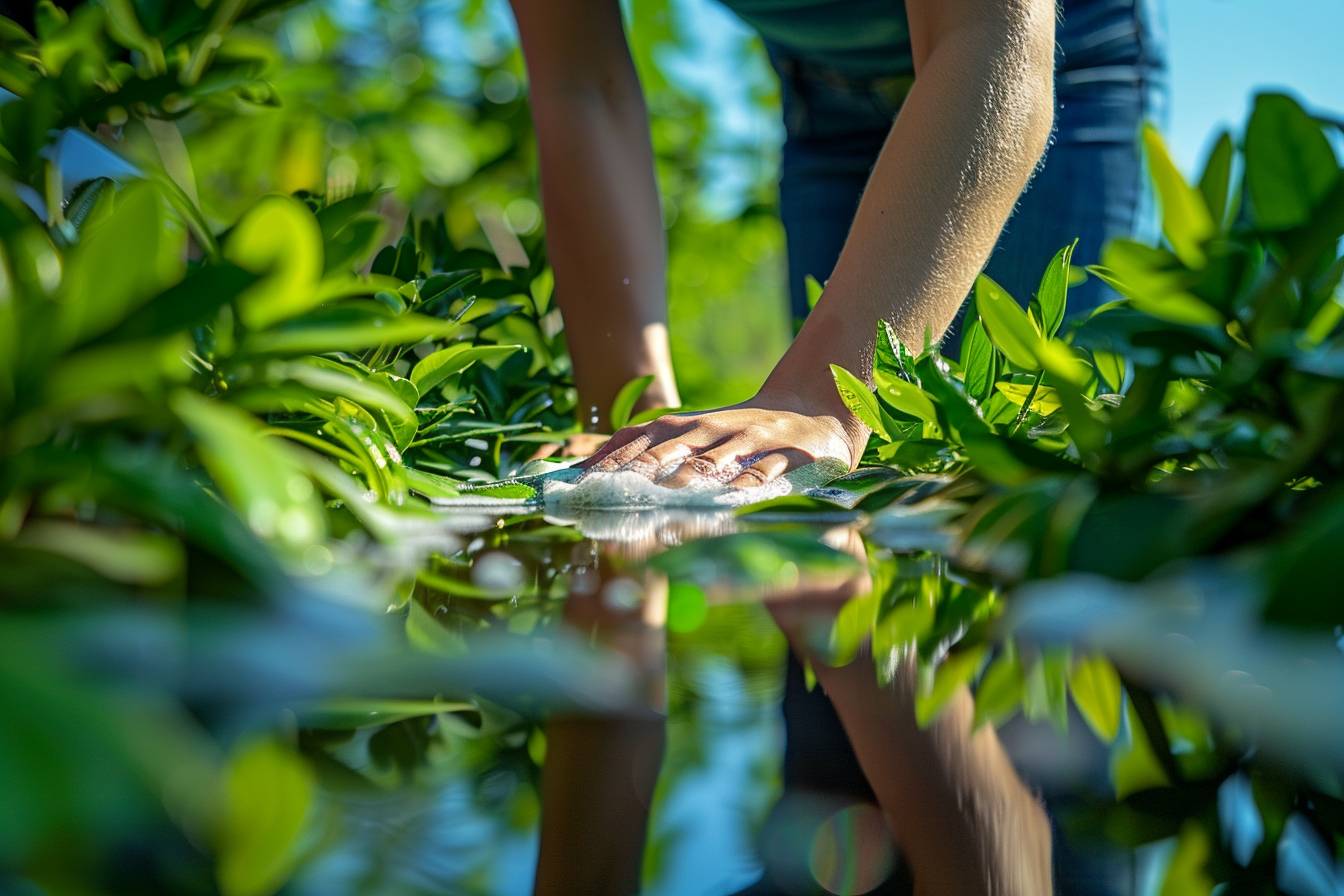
1090	187
1111	78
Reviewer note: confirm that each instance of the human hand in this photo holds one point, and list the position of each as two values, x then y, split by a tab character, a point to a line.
743	446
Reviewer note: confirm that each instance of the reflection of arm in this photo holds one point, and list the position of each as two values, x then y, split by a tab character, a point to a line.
961	816
603	224
598	779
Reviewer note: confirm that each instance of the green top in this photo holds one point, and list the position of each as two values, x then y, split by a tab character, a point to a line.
857	38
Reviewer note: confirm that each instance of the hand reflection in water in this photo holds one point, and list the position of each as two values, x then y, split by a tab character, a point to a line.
954	807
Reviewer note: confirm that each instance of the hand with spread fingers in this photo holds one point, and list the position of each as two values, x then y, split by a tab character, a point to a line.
743	446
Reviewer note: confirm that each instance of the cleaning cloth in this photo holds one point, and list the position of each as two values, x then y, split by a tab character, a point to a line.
565	487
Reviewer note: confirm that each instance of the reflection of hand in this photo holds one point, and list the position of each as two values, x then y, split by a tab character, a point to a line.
745	445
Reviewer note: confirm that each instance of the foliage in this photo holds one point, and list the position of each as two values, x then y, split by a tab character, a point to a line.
1195	417
226	408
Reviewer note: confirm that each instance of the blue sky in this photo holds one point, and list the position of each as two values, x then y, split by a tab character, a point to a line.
1222	51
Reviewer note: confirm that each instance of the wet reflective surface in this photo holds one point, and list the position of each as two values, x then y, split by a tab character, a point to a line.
763	713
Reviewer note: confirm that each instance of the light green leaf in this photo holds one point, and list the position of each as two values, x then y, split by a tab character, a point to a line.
1095	686
433	369
121	261
999	693
268	794
1044	402
1112	367
814	290
952	673
280	239
905	396
1009	327
1290	166
257	475
625	399
859	399
1186	221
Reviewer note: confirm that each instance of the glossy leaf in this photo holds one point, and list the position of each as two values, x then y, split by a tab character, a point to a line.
432	370
1008	326
859	399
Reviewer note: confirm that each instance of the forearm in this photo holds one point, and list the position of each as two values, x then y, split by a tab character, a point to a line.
604	234
957	158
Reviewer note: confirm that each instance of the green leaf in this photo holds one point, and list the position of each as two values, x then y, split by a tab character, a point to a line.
126	257
268	794
1215	184
952	673
257	475
347	330
433	369
890	355
1044	402
1186	873
1186	221
814	290
1134	765
978	361
1053	294
859	399
1290	166
1095	686
1047	693
905	397
1112	367
1009	327
280	239
999	693
625	399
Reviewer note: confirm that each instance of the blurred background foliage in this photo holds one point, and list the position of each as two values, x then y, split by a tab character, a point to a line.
202	501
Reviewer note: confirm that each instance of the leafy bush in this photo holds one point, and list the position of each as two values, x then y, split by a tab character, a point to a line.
223	416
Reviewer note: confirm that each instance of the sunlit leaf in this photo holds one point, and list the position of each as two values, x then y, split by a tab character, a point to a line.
859	399
1009	327
268	796
258	476
952	673
905	396
1186	222
434	369
1095	686
1052	295
278	239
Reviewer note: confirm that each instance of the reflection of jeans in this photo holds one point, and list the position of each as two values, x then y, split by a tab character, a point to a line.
1109	81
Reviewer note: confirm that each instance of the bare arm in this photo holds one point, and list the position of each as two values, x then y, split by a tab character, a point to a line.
958	156
603	224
